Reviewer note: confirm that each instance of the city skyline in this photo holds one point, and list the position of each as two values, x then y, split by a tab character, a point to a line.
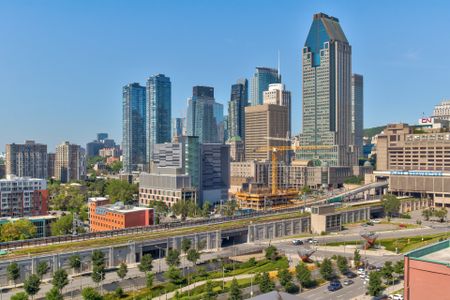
27	59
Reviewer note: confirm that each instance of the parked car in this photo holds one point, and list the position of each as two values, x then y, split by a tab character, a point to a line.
350	275
361	271
297	242
348	282
375	221
334	285
396	297
371	267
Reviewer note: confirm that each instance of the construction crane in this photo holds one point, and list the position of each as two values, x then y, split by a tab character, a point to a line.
275	149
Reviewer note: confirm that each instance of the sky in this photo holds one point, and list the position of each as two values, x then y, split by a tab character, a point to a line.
63	63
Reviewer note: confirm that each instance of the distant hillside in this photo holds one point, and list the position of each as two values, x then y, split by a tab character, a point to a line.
370	132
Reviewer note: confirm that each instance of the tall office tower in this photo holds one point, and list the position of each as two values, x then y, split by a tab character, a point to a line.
27	160
159	111
70	163
201	114
220	122
358	112
51	159
193	159
225	128
178	128
327	97
236	109
277	94
93	148
266	126
260	83
215	173
442	110
133	127
102	136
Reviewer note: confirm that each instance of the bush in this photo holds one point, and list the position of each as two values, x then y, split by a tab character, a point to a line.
119	292
291	288
405	216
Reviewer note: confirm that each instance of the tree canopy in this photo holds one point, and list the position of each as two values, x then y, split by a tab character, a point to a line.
17	230
391	205
120	190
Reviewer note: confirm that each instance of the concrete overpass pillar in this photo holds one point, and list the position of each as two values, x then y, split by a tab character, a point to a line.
218	239
131	255
111	257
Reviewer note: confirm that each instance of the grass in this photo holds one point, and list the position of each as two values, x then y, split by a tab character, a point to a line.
404	244
102	242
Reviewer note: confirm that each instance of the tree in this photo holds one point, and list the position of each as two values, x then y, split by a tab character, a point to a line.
209	291
291	288
146	263
31	285
284	276
391	205
20	296
42	268
62	226
326	269
229	208
206	208
387	271
342	264
13	272
174	275
98	273
118	292
68	199
54	294
271	253
18	230
303	274
149	280
193	256
374	287
119	190
235	292
98	258
90	294
427	214
122	270
441	214
186	245
75	262
356	258
173	257
116	166
399	267
265	284
60	279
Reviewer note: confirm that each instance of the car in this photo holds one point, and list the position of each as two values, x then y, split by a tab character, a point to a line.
348	282
334	285
362	276
350	275
364	225
297	242
361	271
309	240
396	297
378	269
375	221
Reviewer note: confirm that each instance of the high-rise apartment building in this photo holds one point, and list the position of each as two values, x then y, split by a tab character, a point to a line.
23	197
134	127
277	94
93	148
327	110
236	109
220	122
358	112
27	160
159	111
51	160
201	115
266	126
260	83
70	162
442	110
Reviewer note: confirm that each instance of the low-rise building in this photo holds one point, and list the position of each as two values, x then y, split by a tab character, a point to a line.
23	197
427	272
42	224
104	216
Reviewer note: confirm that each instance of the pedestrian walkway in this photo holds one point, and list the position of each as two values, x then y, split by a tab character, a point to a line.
199	283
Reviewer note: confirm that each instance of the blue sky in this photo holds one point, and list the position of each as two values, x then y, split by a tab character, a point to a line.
63	63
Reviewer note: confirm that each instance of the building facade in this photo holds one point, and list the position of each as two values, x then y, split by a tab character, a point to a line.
159	112
70	162
442	110
358	112
27	160
178	128
260	82
134	120
23	197
215	173
236	109
327	111
278	95
51	161
104	216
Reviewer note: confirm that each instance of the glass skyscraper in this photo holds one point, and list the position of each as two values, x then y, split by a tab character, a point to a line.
201	115
159	112
327	96
260	83
133	127
236	109
358	112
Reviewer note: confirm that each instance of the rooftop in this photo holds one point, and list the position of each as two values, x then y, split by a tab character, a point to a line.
438	253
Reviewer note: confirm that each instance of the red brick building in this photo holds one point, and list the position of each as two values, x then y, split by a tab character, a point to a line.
427	272
104	216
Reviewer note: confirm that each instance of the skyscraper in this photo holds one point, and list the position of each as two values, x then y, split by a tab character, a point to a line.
236	109
133	127
70	162
159	111
357	112
277	94
220	122
260	83
27	160
201	115
327	110
178	128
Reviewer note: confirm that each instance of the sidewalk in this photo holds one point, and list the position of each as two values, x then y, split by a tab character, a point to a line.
390	289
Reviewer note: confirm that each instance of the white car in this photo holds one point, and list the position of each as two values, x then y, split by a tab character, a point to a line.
396	297
375	221
361	271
